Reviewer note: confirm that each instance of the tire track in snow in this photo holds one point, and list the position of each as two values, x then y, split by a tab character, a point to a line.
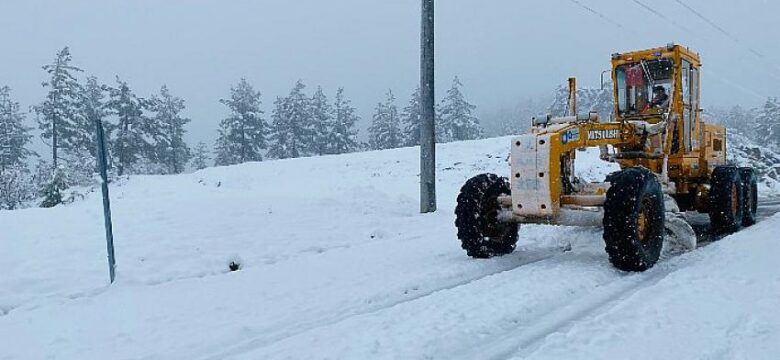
525	339
531	257
528	337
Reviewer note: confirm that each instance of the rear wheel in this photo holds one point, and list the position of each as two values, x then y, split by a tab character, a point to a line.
634	219
749	195
481	234
726	204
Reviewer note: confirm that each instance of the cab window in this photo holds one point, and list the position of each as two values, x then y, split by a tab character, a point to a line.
639	85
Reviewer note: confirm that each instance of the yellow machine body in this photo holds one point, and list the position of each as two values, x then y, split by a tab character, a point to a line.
670	140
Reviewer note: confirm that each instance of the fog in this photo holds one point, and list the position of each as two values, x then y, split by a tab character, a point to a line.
502	50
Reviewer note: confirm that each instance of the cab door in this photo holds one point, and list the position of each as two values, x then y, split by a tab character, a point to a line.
693	131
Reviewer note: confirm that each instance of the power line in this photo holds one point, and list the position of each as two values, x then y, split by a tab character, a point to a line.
600	15
719	78
690	32
662	16
724	32
700	16
738	86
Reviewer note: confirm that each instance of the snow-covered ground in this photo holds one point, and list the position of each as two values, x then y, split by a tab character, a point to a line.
338	263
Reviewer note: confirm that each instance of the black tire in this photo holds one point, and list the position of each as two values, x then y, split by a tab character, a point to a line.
476	217
726	205
634	216
749	195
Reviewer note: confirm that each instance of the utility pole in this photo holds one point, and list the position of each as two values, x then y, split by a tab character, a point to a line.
103	164
428	114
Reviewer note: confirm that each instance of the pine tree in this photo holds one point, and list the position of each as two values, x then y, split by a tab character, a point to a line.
736	118
385	130
768	123
515	121
200	156
92	107
588	100
242	135
601	102
57	114
322	122
291	132
52	191
458	123
132	142
82	159
14	136
343	134
410	116
15	181
560	104
169	145
16	187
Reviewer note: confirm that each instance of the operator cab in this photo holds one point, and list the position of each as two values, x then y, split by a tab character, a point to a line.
644	87
661	84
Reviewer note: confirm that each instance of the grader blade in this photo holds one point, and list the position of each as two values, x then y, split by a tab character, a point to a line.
680	236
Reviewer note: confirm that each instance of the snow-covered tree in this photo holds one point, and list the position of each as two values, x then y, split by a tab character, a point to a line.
410	117
92	108
57	113
82	159
169	145
242	135
588	99
513	120
343	134
200	156
53	188
599	100
768	123
132	143
14	136
16	187
385	130
16	184
291	130
322	122
736	118
560	104
458	122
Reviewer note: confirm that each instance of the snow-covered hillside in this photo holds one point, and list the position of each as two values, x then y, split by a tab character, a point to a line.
745	152
336	262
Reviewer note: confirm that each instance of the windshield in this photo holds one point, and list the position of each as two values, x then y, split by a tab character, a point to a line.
644	87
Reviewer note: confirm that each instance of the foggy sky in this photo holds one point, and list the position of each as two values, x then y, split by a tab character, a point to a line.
502	50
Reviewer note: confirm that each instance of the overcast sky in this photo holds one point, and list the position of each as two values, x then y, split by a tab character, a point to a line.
503	50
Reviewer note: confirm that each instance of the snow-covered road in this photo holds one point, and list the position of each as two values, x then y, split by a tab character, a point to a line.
337	263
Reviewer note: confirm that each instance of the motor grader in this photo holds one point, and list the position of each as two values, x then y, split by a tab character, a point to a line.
670	162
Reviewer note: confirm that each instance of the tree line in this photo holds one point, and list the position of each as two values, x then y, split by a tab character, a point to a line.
145	135
761	124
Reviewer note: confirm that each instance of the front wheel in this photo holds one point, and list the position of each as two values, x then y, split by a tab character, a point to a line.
481	234
634	218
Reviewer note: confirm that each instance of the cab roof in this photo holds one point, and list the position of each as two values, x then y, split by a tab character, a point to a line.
672	51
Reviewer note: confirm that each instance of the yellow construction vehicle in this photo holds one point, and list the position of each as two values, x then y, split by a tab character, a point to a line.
670	161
